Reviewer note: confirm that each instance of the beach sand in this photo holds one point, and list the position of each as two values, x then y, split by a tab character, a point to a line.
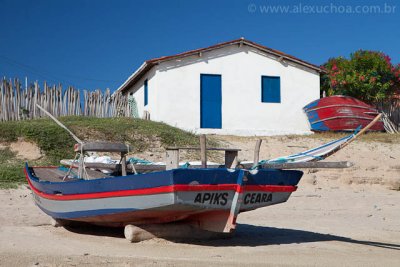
347	217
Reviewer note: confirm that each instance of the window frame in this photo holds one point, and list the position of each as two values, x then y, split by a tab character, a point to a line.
262	89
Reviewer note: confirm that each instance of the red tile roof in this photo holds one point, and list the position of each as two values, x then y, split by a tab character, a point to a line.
147	65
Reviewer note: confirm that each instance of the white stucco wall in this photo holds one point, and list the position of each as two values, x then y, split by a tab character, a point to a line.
174	92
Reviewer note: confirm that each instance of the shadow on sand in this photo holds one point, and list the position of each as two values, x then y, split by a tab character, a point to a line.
245	235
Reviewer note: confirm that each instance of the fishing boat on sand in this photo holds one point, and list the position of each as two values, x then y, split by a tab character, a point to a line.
209	197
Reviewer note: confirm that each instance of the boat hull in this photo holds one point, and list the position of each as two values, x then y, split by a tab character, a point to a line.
341	113
183	194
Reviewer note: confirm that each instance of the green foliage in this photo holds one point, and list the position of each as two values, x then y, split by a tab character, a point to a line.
56	143
11	176
11	172
367	75
51	139
140	134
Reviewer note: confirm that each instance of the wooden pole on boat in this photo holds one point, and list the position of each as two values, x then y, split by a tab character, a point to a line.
172	159
257	152
369	125
60	124
363	130
203	150
123	163
231	159
308	165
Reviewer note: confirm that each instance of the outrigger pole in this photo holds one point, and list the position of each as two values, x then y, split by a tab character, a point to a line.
60	124
81	169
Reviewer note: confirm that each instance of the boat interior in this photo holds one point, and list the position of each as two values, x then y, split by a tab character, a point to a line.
63	174
79	169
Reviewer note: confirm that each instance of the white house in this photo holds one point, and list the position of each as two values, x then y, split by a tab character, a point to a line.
237	87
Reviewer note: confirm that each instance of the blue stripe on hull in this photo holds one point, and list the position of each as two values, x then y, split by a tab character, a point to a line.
320	126
313	117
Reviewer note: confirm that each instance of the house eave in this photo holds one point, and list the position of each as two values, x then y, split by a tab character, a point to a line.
147	65
135	76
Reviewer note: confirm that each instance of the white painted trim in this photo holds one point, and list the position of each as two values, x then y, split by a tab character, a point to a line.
131	77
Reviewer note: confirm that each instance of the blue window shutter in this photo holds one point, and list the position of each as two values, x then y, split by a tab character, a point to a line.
270	89
146	93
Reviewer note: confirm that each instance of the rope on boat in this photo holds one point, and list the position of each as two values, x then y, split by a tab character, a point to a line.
82	170
70	169
60	124
140	161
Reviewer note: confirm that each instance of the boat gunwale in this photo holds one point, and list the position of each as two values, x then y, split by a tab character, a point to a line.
153	190
341	105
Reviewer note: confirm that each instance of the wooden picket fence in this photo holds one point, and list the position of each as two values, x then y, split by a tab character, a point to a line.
392	109
19	103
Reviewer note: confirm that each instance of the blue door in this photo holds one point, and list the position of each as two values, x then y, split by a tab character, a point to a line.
210	101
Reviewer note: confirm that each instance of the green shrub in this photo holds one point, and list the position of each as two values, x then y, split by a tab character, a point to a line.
367	75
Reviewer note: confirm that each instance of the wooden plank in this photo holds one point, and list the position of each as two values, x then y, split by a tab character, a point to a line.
103	147
149	168
257	152
303	165
17	102
208	148
231	159
123	164
172	159
203	151
138	167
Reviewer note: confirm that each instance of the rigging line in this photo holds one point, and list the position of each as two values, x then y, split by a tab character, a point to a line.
61	125
40	74
33	72
91	79
66	75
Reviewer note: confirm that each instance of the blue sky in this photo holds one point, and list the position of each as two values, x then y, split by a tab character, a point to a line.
98	44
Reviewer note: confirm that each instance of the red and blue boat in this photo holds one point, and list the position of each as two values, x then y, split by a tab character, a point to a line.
210	198
341	113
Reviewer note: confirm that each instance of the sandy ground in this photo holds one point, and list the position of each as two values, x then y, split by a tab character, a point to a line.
25	150
336	218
